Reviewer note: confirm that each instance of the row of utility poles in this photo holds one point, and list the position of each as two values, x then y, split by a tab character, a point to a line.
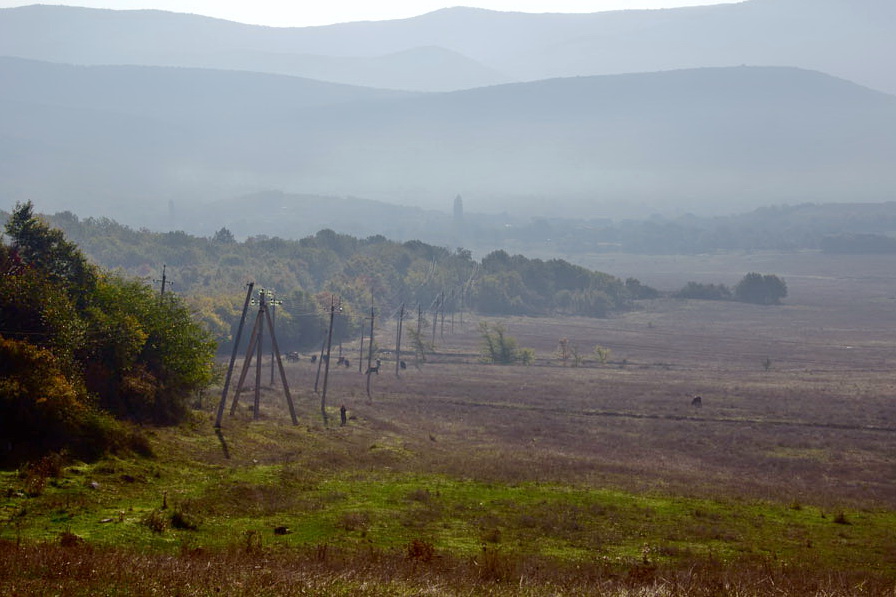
265	318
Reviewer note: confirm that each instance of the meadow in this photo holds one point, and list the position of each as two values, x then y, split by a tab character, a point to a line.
592	474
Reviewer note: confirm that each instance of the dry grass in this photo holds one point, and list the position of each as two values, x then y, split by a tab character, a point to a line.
812	434
78	569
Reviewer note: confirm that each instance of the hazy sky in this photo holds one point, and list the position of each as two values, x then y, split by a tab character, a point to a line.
303	13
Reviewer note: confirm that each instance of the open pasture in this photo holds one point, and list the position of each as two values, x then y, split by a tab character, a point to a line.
797	399
580	476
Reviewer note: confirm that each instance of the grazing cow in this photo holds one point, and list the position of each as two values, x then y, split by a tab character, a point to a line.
697	402
375	369
402	364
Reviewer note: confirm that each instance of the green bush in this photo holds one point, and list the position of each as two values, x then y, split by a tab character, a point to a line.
500	349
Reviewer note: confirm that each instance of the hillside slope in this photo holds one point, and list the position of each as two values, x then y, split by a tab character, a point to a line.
110	139
463	47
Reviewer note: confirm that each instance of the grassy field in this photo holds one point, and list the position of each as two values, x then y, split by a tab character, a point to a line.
575	477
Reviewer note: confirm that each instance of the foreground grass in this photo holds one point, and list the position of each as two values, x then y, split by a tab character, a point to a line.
348	511
81	569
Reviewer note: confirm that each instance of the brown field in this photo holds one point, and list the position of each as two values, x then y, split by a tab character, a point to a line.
817	426
559	478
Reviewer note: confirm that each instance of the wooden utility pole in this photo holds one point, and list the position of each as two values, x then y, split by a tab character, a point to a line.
398	340
273	303
419	348
370	352
292	408
442	310
320	363
435	320
164	279
463	292
323	396
255	346
259	347
164	282
419	318
236	346
361	351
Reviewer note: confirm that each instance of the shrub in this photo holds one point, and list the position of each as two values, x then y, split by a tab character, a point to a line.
185	519
355	521
500	349
186	516
156	521
420	551
69	539
602	354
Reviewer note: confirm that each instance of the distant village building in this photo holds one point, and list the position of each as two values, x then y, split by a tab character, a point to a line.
458	222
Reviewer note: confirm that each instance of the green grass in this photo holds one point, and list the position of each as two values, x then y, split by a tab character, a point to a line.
108	504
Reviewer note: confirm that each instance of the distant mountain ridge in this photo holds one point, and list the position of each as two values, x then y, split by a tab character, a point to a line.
714	108
850	39
722	139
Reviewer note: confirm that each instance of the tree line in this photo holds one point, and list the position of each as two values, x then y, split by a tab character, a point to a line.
210	274
761	289
841	228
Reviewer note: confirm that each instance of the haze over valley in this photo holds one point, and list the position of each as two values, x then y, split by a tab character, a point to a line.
147	116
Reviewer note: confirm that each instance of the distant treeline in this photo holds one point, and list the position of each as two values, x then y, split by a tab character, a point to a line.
858	243
849	228
211	272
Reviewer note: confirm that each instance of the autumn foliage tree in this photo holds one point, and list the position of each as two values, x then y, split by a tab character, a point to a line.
79	343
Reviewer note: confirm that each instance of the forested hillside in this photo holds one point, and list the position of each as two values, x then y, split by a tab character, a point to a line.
211	274
81	347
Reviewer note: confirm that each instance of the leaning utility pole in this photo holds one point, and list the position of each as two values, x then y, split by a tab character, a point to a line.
323	395
260	347
419	345
370	353
398	341
255	346
273	303
236	346
320	363
361	350
442	310
435	320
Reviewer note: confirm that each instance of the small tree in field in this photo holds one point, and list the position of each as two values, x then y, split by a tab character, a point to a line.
500	349
602	354
420	345
563	350
760	289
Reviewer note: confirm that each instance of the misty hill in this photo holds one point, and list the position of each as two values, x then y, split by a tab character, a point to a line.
113	140
150	37
462	47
